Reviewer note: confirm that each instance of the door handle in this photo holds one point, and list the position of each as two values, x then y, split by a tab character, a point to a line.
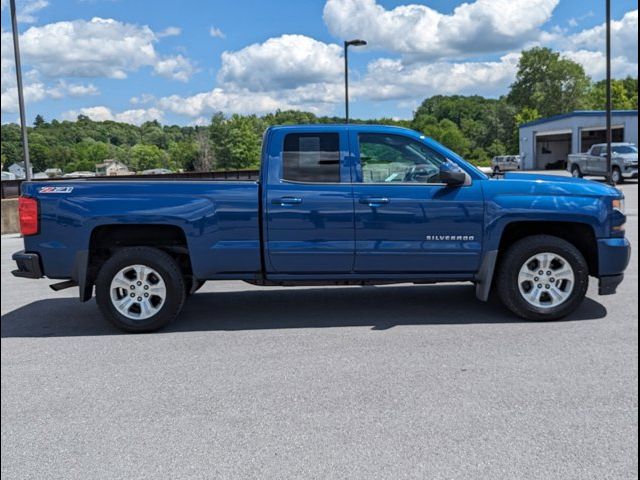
374	201
284	201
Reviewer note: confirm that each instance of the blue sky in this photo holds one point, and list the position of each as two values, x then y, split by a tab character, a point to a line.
181	62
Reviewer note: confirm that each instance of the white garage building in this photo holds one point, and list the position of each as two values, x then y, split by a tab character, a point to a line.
546	142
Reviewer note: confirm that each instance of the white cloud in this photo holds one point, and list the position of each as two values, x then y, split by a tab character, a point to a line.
144	99
282	62
98	48
176	67
101	113
220	100
391	79
594	64
215	32
27	9
169	32
624	38
484	26
587	47
35	89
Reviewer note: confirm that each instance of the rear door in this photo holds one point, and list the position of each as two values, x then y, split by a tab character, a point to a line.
406	220
309	203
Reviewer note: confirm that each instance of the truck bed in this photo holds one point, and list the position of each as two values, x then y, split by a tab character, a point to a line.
219	219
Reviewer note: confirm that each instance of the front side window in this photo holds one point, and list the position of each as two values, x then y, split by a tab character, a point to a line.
391	158
311	157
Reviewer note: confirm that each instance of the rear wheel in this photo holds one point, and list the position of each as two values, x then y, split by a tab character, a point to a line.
542	278
575	171
140	289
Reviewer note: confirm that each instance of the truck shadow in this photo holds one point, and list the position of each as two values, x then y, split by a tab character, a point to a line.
380	308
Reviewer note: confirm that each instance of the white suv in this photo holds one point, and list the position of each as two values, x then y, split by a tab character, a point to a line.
505	163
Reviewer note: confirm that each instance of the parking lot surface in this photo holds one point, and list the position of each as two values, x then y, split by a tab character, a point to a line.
346	382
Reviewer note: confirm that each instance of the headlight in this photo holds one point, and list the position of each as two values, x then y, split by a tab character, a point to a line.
618	204
629	161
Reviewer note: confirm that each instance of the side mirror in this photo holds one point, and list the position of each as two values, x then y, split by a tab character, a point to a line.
452	175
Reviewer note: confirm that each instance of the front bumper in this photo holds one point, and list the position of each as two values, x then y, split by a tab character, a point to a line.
613	258
28	264
630	172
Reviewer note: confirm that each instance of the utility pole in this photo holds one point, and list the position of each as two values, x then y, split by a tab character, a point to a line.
608	90
23	119
347	44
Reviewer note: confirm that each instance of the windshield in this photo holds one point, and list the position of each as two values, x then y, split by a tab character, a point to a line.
624	149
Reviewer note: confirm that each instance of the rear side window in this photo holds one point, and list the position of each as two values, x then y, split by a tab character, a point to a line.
595	151
311	157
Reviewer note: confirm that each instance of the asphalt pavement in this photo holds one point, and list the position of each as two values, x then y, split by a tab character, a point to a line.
387	382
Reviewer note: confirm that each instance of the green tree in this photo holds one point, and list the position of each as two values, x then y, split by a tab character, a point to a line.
624	95
548	83
444	131
237	140
146	157
183	155
496	148
39	121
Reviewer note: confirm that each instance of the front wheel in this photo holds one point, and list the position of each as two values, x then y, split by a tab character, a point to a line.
542	278
140	289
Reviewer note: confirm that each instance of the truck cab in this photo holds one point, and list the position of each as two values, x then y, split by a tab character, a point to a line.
335	204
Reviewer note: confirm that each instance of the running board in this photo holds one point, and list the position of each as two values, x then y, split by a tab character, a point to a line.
62	285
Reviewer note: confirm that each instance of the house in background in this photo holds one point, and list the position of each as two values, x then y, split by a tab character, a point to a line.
545	143
112	167
18	170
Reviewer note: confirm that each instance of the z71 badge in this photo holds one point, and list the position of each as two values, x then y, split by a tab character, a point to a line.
55	190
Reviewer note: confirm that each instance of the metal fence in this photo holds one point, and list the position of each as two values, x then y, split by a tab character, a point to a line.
11	188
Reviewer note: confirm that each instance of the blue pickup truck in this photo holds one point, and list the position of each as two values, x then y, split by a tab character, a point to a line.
335	205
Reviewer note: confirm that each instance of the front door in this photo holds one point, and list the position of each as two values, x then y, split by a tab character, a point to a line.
309	205
406	220
596	163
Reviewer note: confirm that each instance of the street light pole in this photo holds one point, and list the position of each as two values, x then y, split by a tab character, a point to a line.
347	44
608	90
23	120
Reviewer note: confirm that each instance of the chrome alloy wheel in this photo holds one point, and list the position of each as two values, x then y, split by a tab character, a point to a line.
138	292
546	280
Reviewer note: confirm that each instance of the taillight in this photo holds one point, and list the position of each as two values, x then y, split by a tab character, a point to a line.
28	212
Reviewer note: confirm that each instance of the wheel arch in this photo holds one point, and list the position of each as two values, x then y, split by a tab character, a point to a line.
579	234
107	238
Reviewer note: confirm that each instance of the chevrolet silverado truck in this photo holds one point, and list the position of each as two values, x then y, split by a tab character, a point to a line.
334	205
624	162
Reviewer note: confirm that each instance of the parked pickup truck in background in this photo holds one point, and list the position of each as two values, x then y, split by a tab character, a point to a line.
624	162
335	204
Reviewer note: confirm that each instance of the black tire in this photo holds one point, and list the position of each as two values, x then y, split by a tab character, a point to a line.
157	260
616	176
576	172
516	256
